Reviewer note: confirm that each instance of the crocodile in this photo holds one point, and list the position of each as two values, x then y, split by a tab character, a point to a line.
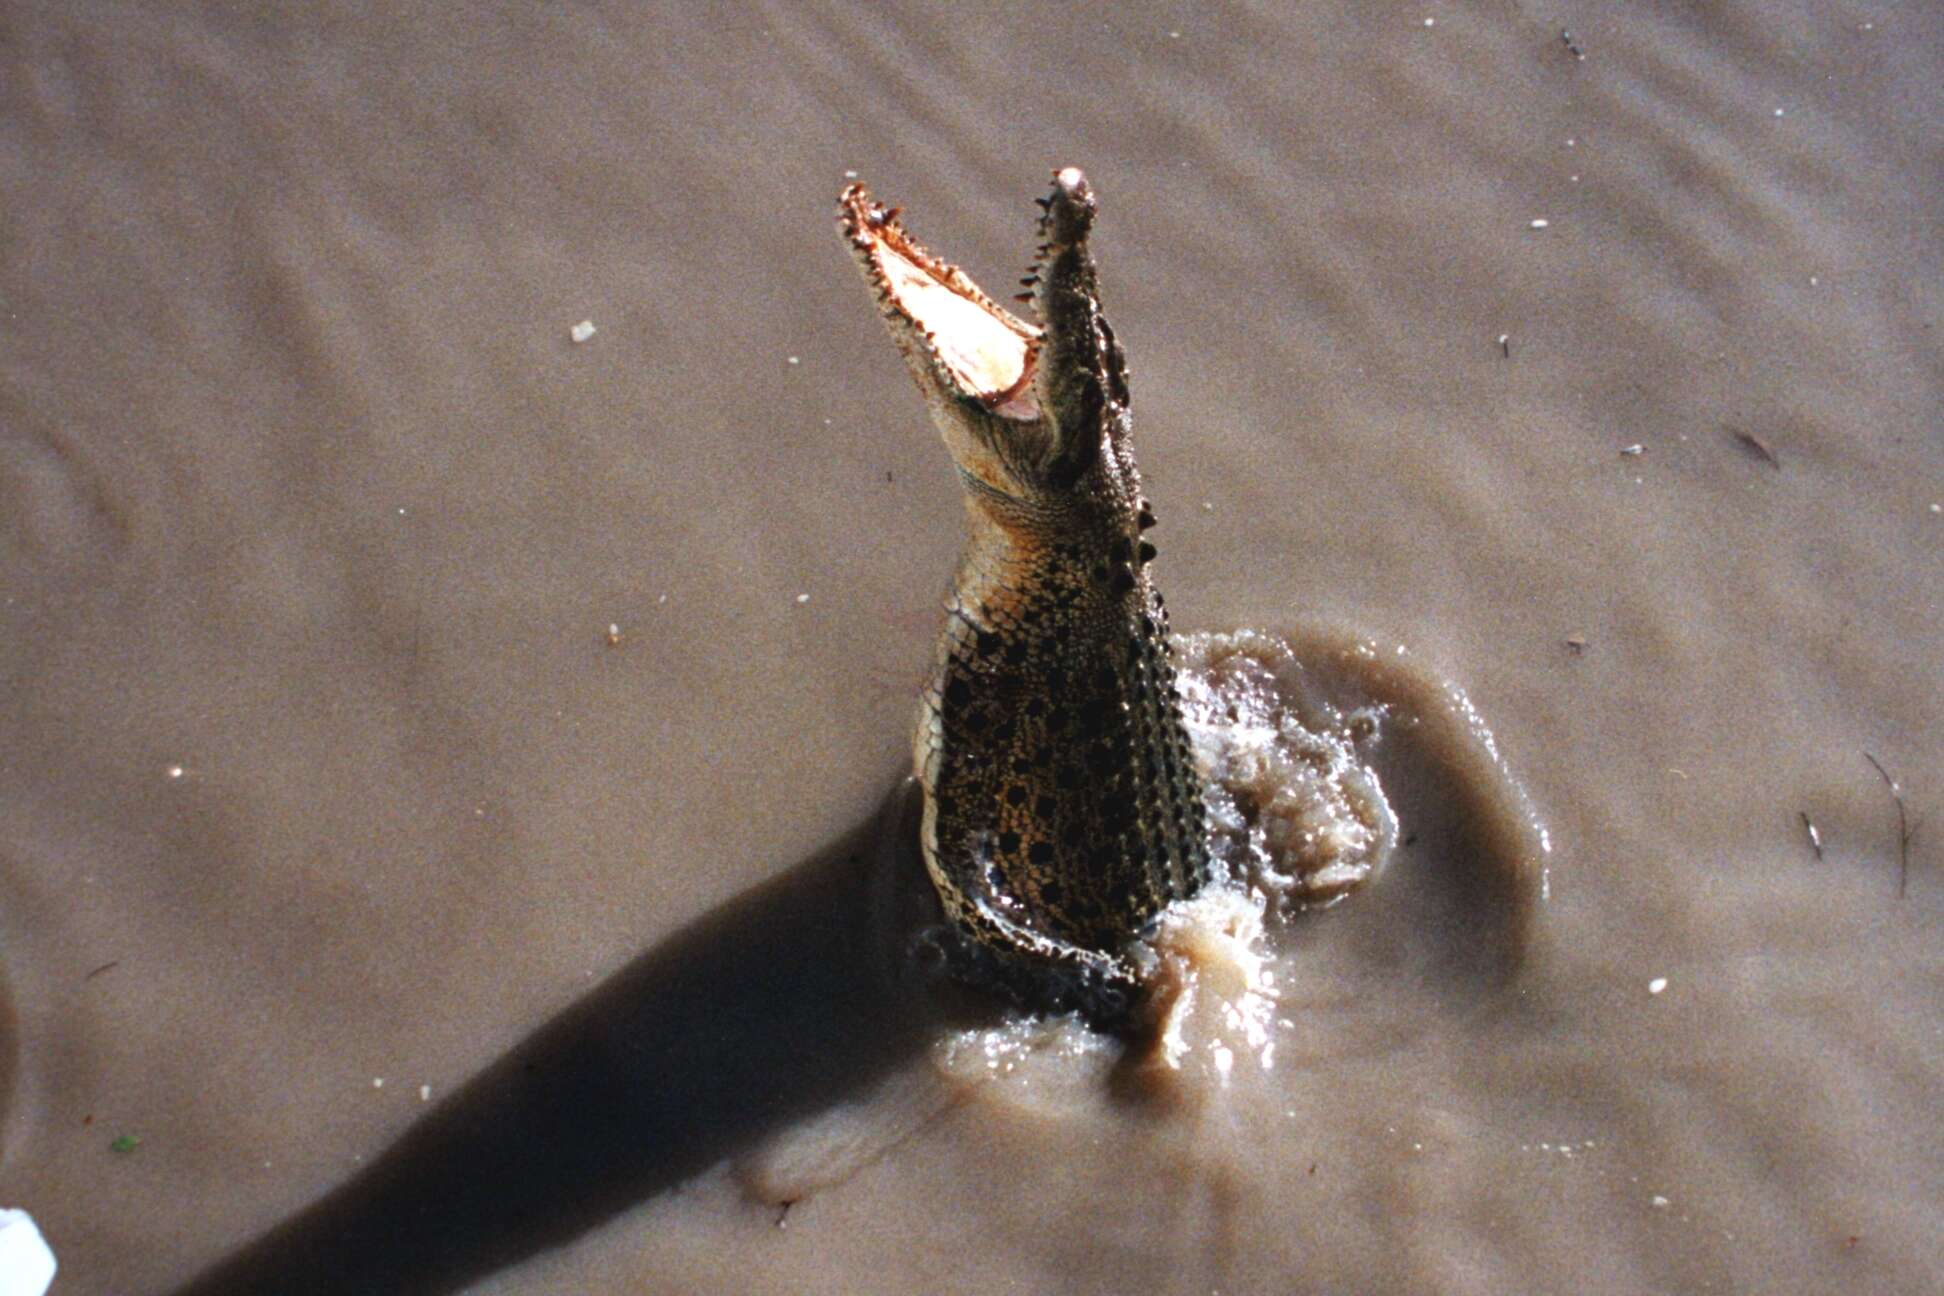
1062	808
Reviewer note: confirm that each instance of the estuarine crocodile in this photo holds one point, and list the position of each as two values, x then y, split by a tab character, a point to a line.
1062	808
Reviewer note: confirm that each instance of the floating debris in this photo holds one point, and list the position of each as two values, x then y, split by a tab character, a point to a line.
1660	1202
1756	445
1634	450
1505	345
582	331
1540	223
123	1144
1572	46
1903	824
176	771
613	634
1815	838
26	1262
803	598
1576	644
1657	985
425	1093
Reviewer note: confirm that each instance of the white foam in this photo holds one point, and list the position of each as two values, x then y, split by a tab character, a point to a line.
1294	811
1214	990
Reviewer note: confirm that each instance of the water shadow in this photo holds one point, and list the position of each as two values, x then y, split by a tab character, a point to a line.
1468	874
1441	935
772	1007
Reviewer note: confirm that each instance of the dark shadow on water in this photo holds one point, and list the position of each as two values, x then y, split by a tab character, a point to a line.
788	1000
772	1007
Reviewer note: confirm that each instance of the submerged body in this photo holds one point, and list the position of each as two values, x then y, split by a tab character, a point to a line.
1062	807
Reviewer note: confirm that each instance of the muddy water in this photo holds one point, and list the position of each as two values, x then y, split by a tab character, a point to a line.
321	767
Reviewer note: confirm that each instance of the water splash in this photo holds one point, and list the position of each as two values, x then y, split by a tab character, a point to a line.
1295	809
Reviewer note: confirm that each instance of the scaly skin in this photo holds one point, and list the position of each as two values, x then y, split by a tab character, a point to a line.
1062	807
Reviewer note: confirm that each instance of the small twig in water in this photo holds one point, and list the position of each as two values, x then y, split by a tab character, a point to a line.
783	1211
1572	46
1815	838
1505	345
1758	445
105	967
1903	824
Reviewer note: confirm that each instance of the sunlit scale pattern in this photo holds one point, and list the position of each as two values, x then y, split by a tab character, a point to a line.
1060	769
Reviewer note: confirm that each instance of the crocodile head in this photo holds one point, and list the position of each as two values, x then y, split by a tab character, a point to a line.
1026	409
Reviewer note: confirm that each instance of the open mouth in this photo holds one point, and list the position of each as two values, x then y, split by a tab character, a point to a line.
953	335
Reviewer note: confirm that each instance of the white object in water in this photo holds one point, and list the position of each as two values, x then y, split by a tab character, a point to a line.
1657	985
26	1265
582	331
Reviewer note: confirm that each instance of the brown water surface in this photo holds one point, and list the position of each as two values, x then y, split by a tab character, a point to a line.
319	767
